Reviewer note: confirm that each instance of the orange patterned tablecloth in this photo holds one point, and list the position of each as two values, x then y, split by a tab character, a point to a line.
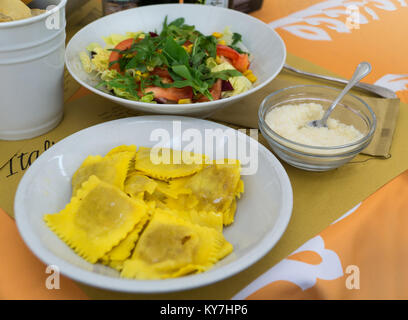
338	34
361	256
364	255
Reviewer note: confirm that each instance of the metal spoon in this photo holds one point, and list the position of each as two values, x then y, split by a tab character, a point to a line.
372	88
363	69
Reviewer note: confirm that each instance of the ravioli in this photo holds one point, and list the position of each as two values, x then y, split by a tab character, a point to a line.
97	218
183	202
240	189
166	164
150	220
213	189
173	188
123	250
112	169
137	184
171	247
215	185
123	148
210	219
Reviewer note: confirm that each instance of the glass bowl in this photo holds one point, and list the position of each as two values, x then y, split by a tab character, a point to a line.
351	111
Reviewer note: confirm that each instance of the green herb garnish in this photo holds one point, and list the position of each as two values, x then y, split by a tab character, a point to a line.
167	51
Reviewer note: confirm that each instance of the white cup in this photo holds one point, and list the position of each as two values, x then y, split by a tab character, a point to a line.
32	72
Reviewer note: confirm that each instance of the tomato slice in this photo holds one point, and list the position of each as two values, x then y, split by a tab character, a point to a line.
168	94
215	92
172	94
239	60
161	72
115	56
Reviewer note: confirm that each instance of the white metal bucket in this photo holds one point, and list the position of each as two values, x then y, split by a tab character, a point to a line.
32	71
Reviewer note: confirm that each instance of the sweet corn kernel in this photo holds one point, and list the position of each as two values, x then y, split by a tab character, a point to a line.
251	78
217	35
137	75
218	59
188	48
222	42
248	72
184	101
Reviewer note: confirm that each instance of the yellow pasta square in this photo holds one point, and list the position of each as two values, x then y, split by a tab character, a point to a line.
112	169
136	184
240	189
210	219
170	247
97	218
123	250
182	203
166	164
215	185
229	214
123	148
174	188
213	189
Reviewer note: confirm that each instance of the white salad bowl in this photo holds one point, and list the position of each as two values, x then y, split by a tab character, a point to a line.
267	49
262	215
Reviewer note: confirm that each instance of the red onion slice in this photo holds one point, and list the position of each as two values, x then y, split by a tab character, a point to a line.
226	86
161	100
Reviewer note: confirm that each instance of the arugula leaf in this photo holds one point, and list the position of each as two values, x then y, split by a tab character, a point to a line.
182	71
178	22
206	44
236	37
165	27
226	74
191	79
175	53
125	83
142	55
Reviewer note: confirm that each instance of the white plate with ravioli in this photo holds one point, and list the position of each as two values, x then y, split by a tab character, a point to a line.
262	212
266	48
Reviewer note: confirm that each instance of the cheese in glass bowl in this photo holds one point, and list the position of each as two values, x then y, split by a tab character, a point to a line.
284	117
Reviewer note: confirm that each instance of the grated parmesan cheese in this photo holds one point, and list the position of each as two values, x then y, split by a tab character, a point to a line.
290	121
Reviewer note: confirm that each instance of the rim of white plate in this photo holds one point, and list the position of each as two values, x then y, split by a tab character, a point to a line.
155	286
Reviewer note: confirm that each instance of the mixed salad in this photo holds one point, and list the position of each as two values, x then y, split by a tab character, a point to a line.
177	65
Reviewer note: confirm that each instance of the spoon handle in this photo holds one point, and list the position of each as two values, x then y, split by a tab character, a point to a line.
363	69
